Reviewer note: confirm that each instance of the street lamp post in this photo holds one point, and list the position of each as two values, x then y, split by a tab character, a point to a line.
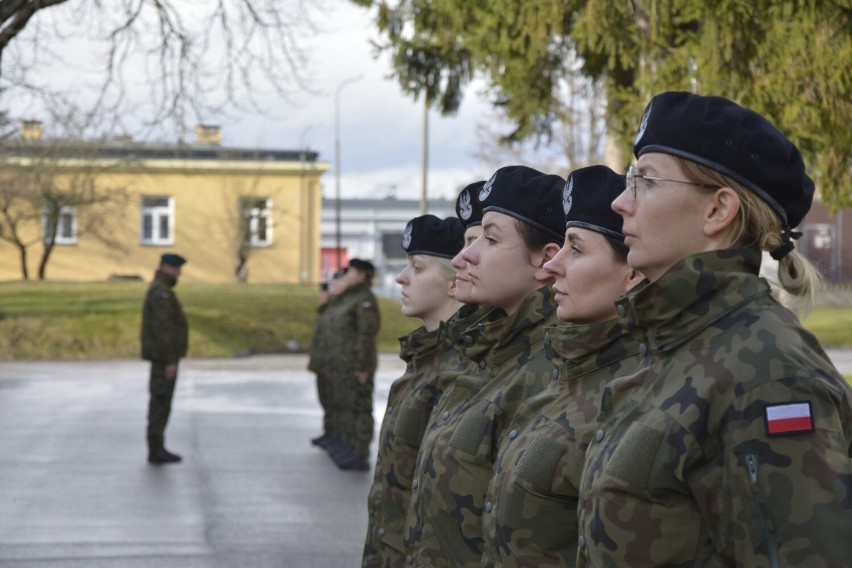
337	164
305	253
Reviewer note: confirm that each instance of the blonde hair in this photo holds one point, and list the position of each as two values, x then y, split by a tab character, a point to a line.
758	225
447	268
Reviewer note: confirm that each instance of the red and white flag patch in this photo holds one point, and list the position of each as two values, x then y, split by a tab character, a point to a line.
789	418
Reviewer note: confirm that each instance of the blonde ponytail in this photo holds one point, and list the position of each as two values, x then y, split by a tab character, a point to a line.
757	224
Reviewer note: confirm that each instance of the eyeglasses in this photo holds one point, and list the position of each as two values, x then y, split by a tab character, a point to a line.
632	176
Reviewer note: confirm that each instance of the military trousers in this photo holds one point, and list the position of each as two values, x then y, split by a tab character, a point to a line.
356	412
161	391
325	394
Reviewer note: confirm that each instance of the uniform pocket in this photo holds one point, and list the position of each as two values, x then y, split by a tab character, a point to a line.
410	425
470	431
633	459
538	464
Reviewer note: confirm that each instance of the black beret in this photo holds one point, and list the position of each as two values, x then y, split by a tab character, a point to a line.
430	235
527	195
587	200
172	259
468	209
362	265
732	140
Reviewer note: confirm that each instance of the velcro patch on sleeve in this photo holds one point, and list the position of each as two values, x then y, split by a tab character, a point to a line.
789	418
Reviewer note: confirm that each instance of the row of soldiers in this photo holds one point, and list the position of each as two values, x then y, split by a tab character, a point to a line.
602	378
343	357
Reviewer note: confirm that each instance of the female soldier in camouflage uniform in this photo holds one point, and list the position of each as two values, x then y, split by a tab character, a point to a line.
523	226
428	294
730	446
536	478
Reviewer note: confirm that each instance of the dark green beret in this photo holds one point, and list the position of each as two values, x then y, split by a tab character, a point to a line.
587	200
430	235
733	140
172	259
468	209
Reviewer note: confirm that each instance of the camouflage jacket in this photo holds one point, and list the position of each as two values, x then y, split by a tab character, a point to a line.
408	408
443	527
535	482
319	352
730	445
353	319
165	333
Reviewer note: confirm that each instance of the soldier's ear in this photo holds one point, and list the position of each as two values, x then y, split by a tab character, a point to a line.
451	287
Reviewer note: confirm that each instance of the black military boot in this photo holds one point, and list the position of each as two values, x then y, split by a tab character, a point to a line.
159	456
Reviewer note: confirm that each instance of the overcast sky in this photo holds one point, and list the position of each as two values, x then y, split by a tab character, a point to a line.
380	128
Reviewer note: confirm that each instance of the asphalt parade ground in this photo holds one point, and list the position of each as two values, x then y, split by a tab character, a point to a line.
76	490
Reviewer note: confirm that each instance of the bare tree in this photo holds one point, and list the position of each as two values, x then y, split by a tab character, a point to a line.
47	182
187	59
575	139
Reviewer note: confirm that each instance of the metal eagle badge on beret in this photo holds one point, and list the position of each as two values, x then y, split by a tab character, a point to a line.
643	124
406	236
465	208
486	189
567	195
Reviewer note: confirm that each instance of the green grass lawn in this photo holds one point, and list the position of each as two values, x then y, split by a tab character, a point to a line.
51	320
48	320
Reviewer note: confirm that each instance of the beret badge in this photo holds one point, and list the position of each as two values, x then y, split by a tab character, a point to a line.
567	195
486	189
465	208
643	124
406	236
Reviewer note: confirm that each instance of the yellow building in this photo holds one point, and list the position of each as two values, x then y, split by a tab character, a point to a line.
249	214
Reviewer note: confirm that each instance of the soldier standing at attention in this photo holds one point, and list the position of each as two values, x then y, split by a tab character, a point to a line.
730	445
428	283
164	343
320	360
536	479
354	317
522	228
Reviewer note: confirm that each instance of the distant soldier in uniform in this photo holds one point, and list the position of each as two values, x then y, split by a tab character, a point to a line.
522	228
354	317
730	445
320	361
536	479
428	285
164	343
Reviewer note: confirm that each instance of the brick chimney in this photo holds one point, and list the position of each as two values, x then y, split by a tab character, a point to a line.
32	129
208	134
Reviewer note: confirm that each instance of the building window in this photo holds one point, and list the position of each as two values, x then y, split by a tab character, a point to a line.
66	226
257	221
158	220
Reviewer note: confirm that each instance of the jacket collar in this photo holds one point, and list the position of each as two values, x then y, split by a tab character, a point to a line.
691	296
581	349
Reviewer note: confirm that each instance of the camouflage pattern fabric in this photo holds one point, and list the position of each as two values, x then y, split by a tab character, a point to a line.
354	319
536	479
689	467
320	362
165	333
409	405
319	351
443	527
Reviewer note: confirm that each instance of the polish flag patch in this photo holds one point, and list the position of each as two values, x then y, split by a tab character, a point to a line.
789	418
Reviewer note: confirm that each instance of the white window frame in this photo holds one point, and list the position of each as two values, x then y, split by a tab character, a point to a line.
156	213
257	216
67	211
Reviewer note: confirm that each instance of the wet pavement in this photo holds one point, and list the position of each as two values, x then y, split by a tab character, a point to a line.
76	490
